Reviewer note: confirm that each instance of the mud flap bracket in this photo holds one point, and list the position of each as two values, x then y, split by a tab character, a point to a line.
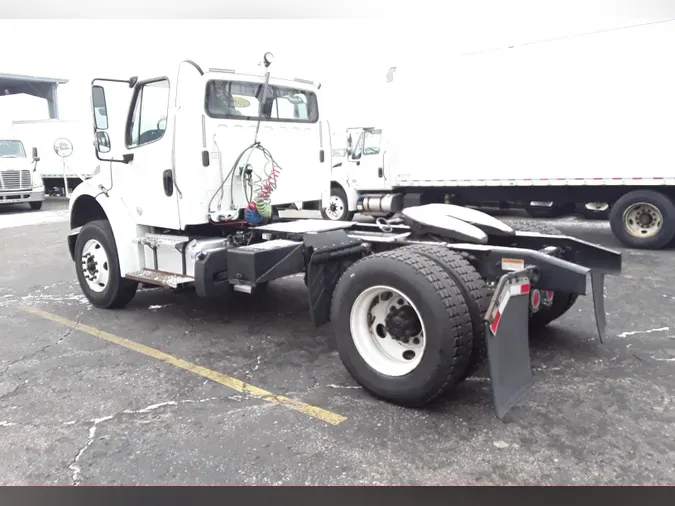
507	335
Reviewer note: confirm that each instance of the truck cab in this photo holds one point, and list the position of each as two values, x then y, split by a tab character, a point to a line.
20	182
194	150
362	169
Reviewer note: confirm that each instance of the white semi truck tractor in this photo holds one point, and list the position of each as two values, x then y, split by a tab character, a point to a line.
194	181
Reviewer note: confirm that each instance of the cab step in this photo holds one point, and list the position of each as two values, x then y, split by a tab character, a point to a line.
160	278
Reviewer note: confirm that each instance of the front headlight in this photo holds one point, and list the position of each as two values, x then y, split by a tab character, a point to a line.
37	180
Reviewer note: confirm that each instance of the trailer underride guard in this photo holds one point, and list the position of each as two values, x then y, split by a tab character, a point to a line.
418	303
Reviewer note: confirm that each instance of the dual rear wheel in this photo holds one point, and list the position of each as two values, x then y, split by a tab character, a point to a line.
409	323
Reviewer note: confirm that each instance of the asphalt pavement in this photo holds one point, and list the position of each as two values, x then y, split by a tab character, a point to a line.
164	391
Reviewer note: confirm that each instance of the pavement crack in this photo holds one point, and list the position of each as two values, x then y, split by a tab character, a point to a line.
12	391
74	465
43	348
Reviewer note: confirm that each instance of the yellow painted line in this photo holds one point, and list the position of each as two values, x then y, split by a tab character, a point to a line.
233	383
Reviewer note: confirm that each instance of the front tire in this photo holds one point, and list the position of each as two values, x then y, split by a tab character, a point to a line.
643	219
35	206
97	267
401	327
338	210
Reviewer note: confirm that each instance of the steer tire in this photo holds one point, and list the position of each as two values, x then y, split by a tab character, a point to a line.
562	301
119	291
475	291
445	316
346	215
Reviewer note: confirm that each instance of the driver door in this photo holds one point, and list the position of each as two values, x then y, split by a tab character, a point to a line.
367	161
149	191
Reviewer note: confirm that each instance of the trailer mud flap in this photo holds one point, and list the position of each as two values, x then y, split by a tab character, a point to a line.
507	335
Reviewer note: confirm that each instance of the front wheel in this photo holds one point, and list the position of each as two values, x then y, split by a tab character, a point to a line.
338	209
643	219
402	327
35	206
97	267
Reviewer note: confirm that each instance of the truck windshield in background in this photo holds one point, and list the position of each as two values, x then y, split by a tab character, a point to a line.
241	100
12	149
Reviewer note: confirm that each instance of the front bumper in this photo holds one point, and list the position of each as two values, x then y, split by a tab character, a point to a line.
21	196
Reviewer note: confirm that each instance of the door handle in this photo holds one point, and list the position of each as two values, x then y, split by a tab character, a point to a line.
167	179
380	172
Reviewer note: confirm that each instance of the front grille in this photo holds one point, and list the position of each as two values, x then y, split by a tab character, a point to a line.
15	180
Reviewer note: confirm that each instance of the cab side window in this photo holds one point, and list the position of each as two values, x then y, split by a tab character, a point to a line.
371	142
149	114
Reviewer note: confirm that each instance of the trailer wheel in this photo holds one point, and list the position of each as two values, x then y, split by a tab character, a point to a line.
475	291
643	219
401	327
594	210
338	210
554	211
562	301
97	267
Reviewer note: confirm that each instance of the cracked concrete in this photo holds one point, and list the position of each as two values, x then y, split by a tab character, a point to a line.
77	410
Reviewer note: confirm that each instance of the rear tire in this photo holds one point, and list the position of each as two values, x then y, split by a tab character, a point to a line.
590	214
656	209
562	301
365	346
97	267
475	291
35	206
554	211
339	206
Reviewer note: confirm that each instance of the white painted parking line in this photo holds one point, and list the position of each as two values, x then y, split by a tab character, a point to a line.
27	218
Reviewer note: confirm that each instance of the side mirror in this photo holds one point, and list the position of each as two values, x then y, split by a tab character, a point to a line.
102	142
99	107
36	158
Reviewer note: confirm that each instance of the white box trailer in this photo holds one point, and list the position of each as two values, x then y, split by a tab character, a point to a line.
75	139
580	119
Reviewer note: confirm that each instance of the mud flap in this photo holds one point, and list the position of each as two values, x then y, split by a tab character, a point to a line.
598	288
507	335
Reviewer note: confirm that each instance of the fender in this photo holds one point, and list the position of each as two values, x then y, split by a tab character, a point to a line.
124	227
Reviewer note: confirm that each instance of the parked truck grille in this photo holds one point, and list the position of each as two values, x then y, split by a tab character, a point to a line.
15	180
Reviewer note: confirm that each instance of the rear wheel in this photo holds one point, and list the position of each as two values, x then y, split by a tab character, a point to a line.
643	219
401	327
554	211
594	210
475	291
338	209
562	301
97	267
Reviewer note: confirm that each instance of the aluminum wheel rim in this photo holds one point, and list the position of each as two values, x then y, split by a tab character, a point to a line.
336	208
95	266
374	343
643	220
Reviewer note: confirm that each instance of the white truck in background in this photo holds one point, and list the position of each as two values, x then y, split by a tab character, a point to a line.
20	181
76	157
582	119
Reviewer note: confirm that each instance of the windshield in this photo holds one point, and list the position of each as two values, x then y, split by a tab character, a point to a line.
11	149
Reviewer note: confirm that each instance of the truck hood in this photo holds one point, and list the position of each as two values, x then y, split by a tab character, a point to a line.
16	163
